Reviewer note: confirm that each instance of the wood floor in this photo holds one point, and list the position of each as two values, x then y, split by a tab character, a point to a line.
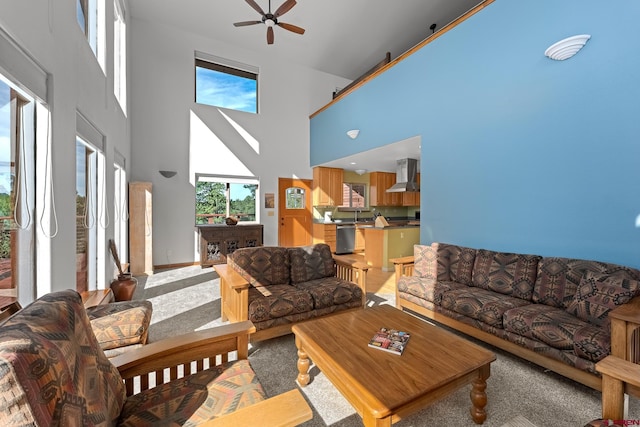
378	281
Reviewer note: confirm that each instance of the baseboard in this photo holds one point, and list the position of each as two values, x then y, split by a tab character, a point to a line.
170	266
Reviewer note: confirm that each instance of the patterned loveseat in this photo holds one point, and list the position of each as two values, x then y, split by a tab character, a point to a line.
53	372
552	311
275	287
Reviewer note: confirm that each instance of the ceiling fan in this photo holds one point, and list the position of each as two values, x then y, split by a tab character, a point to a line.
271	19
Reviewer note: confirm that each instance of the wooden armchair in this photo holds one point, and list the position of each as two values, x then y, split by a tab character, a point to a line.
53	372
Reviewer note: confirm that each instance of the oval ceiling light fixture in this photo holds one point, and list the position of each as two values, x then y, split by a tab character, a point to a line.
565	49
353	133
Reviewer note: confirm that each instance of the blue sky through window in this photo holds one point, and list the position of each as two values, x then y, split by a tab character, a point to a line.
225	90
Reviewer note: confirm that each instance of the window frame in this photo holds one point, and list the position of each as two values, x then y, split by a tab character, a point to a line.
227	180
365	195
120	54
230	67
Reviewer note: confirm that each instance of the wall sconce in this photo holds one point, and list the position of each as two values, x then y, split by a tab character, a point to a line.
353	133
168	174
565	49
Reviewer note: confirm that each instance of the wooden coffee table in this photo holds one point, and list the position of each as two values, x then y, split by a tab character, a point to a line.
383	387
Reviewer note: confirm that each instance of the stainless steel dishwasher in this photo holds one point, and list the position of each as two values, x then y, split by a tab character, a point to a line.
345	239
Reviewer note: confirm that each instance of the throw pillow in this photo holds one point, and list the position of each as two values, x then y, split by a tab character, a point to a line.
596	296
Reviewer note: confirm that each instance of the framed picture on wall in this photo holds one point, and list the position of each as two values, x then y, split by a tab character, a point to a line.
269	200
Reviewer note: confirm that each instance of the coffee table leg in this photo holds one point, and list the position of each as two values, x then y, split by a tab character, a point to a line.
478	395
303	365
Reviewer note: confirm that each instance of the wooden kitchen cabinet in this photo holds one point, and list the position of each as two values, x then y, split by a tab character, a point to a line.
392	199
219	240
327	186
411	198
359	246
378	184
325	233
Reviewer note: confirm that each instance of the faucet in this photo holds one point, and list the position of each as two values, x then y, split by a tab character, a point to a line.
355	215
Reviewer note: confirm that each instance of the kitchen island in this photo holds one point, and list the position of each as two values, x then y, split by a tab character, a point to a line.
381	244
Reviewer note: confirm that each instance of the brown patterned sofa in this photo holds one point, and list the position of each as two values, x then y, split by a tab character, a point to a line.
53	372
275	287
555	312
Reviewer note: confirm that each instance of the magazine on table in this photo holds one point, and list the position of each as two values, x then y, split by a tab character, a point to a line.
391	340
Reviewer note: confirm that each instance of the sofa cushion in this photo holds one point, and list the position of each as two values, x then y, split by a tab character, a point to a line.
592	343
506	273
195	398
425	263
311	262
426	288
277	301
455	263
262	265
480	304
596	296
331	291
558	278
52	370
121	324
553	326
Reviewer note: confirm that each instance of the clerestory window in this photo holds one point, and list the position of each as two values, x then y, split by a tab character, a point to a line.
226	84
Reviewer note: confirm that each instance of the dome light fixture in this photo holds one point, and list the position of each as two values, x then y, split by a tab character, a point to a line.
566	48
353	133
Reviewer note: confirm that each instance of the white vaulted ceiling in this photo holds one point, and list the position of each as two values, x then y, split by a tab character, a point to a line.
343	37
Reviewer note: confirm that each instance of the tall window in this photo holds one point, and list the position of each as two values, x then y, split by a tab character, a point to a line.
17	174
226	84
90	16
120	54
218	198
91	216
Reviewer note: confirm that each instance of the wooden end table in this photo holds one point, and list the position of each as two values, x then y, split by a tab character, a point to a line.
383	387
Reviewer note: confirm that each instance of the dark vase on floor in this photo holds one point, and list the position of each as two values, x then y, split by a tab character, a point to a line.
124	286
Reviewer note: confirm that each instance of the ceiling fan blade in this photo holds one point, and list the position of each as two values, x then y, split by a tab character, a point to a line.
269	35
291	27
284	8
255	6
245	23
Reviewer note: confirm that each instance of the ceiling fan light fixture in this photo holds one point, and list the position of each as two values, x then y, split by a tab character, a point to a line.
271	19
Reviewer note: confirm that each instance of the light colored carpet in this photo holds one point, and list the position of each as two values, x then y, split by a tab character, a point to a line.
188	299
519	421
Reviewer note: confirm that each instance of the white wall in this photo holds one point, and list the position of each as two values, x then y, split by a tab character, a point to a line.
51	36
166	124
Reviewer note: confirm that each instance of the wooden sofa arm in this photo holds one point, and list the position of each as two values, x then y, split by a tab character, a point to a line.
355	272
234	294
284	410
137	366
625	331
403	266
619	376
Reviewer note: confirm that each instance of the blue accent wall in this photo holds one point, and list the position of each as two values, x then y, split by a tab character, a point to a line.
519	153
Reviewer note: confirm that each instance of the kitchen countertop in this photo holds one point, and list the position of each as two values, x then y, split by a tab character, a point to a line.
370	224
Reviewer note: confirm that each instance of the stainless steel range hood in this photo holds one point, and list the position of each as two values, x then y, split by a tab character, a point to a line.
405	177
